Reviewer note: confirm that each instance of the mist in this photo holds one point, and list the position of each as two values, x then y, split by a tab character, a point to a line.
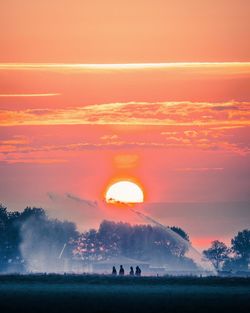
32	242
42	241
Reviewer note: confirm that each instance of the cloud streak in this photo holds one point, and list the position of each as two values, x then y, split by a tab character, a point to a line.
28	95
57	154
199	169
182	113
234	67
182	125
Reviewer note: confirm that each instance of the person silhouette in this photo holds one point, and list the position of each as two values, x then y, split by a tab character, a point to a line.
114	272
137	271
131	273
121	271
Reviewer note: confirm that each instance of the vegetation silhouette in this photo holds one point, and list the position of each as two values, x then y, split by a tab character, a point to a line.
235	258
218	253
31	241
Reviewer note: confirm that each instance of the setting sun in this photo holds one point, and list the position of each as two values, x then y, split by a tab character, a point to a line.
124	192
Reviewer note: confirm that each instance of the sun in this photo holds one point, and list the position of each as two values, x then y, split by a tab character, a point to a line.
124	192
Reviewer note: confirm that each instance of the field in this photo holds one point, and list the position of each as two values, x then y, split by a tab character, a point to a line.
92	293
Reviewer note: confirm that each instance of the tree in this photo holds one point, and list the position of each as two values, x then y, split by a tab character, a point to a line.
140	242
30	240
42	240
9	239
241	247
180	232
36	213
217	253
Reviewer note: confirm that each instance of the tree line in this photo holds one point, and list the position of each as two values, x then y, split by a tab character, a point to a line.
233	258
30	236
140	242
31	241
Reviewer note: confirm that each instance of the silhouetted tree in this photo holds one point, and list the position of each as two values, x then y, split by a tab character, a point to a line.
9	239
36	213
31	234
142	242
43	239
217	253
180	232
241	247
31	240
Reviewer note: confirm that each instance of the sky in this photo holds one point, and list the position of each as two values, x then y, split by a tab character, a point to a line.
157	92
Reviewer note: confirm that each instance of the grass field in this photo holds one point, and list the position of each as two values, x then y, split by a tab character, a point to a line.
92	293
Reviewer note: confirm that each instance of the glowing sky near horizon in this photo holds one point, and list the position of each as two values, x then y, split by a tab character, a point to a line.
157	91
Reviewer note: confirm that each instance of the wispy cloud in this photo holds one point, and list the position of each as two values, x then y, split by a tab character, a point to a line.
182	125
109	137
15	140
199	169
182	113
33	160
27	95
234	67
61	153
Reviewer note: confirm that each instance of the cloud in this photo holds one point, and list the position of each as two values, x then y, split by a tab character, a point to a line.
225	108
199	169
44	161
191	133
183	125
21	149
64	153
204	67
172	133
27	95
15	140
170	113
109	137
42	112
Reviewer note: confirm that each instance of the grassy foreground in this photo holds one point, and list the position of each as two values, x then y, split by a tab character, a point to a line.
93	293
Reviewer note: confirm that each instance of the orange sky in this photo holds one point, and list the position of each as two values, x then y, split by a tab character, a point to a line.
156	90
114	31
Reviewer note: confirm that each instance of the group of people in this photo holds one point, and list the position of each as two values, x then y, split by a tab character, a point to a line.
137	271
